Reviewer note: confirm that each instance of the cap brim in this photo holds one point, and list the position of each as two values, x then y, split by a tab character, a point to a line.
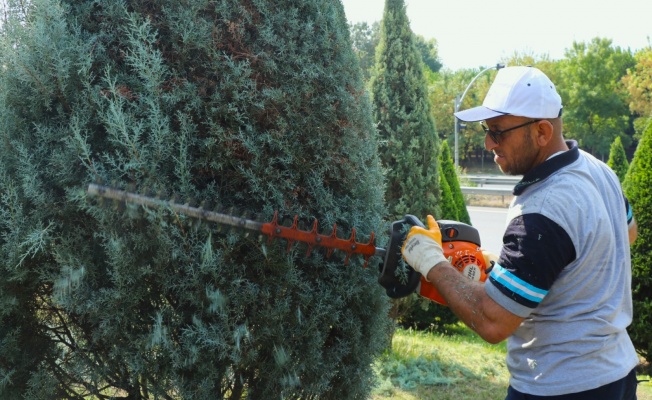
476	114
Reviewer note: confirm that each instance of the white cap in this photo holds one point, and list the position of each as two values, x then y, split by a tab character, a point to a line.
520	91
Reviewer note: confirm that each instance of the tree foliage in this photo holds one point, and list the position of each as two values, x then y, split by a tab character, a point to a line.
258	106
409	143
595	99
417	312
429	51
449	174
638	82
425	314
618	159
366	38
447	205
409	147
443	89
595	104
637	189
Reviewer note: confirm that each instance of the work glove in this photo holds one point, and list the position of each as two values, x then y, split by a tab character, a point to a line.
422	247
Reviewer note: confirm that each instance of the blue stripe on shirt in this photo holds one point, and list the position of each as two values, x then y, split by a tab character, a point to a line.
517	285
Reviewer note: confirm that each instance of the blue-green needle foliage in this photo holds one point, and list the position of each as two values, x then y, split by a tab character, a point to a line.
257	105
409	143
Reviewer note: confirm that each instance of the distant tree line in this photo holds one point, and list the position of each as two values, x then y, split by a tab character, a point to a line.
605	90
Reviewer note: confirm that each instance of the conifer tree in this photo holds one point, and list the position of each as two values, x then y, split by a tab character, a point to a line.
448	206
409	143
414	311
638	182
450	175
258	106
618	159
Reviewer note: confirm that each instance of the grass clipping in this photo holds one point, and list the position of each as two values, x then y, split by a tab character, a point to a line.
419	360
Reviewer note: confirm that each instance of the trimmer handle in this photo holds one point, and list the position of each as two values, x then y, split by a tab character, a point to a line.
391	277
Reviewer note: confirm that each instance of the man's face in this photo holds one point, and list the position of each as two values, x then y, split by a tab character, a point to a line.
516	151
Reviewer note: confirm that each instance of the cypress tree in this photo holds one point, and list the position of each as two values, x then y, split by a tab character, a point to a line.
258	106
618	159
637	189
450	176
416	312
409	143
448	206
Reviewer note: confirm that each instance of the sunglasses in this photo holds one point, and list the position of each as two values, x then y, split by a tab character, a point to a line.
494	134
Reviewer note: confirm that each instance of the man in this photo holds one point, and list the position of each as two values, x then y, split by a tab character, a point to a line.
561	289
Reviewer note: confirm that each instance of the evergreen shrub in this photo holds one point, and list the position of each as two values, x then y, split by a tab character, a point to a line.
257	106
638	182
618	159
449	174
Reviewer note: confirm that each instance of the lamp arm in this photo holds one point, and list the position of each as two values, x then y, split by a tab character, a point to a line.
458	102
497	67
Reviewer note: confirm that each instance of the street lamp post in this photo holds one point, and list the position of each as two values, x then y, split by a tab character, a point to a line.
458	102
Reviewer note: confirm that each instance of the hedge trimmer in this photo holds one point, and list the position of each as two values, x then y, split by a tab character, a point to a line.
461	242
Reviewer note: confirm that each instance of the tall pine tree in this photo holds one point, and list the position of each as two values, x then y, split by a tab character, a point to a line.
409	143
638	182
254	105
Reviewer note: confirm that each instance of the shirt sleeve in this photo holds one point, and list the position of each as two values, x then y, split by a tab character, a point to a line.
630	212
535	251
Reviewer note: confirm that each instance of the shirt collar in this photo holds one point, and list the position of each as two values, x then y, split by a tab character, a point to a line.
548	167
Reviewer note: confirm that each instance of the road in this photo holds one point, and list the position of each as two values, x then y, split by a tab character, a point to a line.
490	222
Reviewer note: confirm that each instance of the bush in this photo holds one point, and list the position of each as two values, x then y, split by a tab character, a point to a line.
638	182
450	175
258	106
618	159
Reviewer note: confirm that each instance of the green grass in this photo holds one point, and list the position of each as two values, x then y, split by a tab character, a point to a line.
644	391
453	366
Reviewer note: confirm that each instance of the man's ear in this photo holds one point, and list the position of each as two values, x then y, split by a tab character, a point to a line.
544	132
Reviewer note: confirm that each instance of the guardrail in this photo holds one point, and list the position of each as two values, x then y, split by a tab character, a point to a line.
486	191
491	179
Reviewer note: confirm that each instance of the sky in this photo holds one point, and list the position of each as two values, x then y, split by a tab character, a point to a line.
481	33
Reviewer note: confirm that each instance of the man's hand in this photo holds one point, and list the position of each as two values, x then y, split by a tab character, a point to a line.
422	247
490	259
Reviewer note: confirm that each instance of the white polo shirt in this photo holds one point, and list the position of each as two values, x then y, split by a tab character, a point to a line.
565	267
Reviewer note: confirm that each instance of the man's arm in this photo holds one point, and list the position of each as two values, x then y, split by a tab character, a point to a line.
470	302
633	231
467	299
